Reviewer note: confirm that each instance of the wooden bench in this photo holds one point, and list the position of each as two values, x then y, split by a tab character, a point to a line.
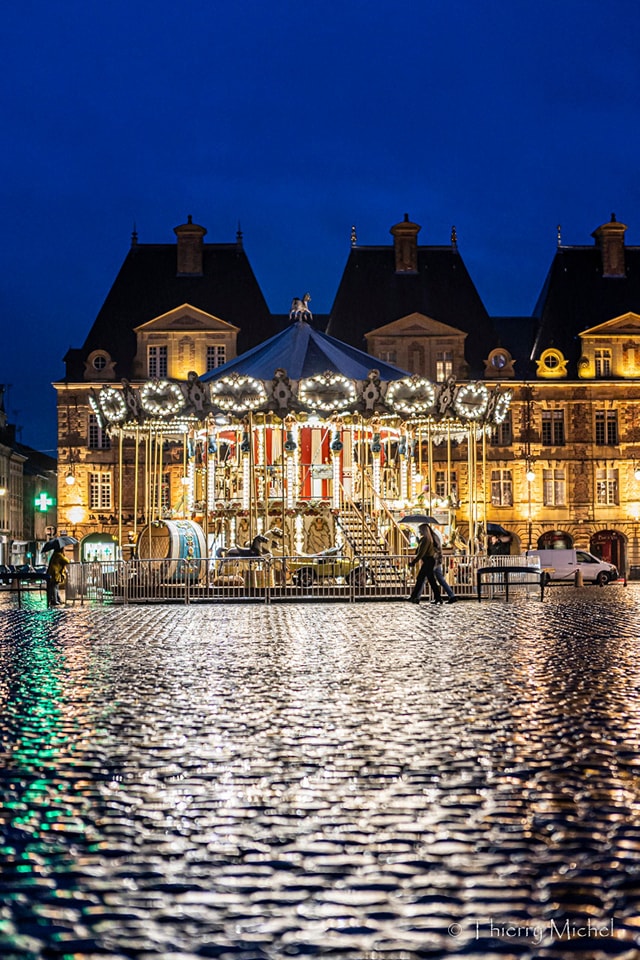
500	576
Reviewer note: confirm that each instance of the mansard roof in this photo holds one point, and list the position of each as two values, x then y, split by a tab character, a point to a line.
577	296
148	286
372	294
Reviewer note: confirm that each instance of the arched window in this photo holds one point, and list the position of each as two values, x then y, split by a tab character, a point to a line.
555	540
416	359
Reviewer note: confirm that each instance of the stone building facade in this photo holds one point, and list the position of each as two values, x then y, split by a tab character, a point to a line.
564	467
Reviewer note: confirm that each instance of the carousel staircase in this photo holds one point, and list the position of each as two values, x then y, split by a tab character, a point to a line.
360	534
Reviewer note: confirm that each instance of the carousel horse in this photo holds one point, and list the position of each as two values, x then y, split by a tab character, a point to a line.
256	548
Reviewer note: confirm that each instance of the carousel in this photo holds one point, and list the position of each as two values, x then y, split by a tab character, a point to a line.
303	445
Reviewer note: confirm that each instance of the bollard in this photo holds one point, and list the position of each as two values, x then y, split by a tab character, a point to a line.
579	582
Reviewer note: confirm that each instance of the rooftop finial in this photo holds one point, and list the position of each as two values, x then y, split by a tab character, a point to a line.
354	236
134	235
559	234
239	236
454	238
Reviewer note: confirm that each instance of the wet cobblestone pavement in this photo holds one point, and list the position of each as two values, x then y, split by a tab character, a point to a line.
349	781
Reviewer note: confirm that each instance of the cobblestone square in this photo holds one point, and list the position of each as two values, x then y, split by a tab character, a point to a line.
371	780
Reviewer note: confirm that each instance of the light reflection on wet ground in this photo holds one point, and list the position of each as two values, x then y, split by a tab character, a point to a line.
350	781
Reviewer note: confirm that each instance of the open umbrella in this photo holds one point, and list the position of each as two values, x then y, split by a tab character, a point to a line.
495	530
59	543
417	518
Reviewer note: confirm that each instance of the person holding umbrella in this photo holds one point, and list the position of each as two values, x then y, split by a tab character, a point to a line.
427	553
57	568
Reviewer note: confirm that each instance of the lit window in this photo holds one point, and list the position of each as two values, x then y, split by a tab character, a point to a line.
607	487
157	362
444	365
603	363
501	488
216	356
100	495
554	488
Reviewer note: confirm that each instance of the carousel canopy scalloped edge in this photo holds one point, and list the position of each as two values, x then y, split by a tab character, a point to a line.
327	394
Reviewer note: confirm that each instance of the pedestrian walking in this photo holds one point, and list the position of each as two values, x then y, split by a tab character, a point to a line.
56	577
426	554
438	570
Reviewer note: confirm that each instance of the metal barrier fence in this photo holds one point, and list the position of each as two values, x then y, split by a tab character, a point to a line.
268	580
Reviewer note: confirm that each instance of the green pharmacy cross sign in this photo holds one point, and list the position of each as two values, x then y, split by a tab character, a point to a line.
43	501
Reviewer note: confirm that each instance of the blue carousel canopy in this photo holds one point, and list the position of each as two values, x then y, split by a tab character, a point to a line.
303	352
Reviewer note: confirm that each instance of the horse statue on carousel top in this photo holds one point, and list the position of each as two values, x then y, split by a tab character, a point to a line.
300	309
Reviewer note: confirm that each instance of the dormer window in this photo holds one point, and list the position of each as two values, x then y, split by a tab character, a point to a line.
499	363
216	356
99	366
603	363
157	362
444	365
552	364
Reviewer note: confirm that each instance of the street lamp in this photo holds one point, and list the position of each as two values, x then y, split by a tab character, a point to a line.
530	477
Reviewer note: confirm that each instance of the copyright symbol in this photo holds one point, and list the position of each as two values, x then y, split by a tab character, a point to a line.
454	930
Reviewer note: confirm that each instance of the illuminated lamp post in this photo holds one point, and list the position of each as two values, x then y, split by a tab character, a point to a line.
530	476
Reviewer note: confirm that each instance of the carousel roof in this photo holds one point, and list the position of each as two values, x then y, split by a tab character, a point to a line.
303	352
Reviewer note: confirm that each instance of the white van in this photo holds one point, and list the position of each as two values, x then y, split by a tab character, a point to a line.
562	565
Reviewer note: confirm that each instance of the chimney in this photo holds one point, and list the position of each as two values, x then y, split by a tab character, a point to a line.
190	245
405	243
610	241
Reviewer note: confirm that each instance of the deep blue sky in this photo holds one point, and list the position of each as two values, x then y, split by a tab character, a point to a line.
299	119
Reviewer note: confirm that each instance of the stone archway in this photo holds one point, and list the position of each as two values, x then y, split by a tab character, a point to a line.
610	545
555	540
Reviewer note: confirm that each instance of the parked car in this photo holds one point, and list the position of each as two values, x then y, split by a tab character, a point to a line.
328	565
565	563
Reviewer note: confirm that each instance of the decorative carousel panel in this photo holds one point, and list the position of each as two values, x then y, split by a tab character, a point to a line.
112	404
328	393
499	405
472	401
161	398
238	394
94	403
412	396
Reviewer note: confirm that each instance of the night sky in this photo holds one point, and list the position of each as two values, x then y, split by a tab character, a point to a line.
297	120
